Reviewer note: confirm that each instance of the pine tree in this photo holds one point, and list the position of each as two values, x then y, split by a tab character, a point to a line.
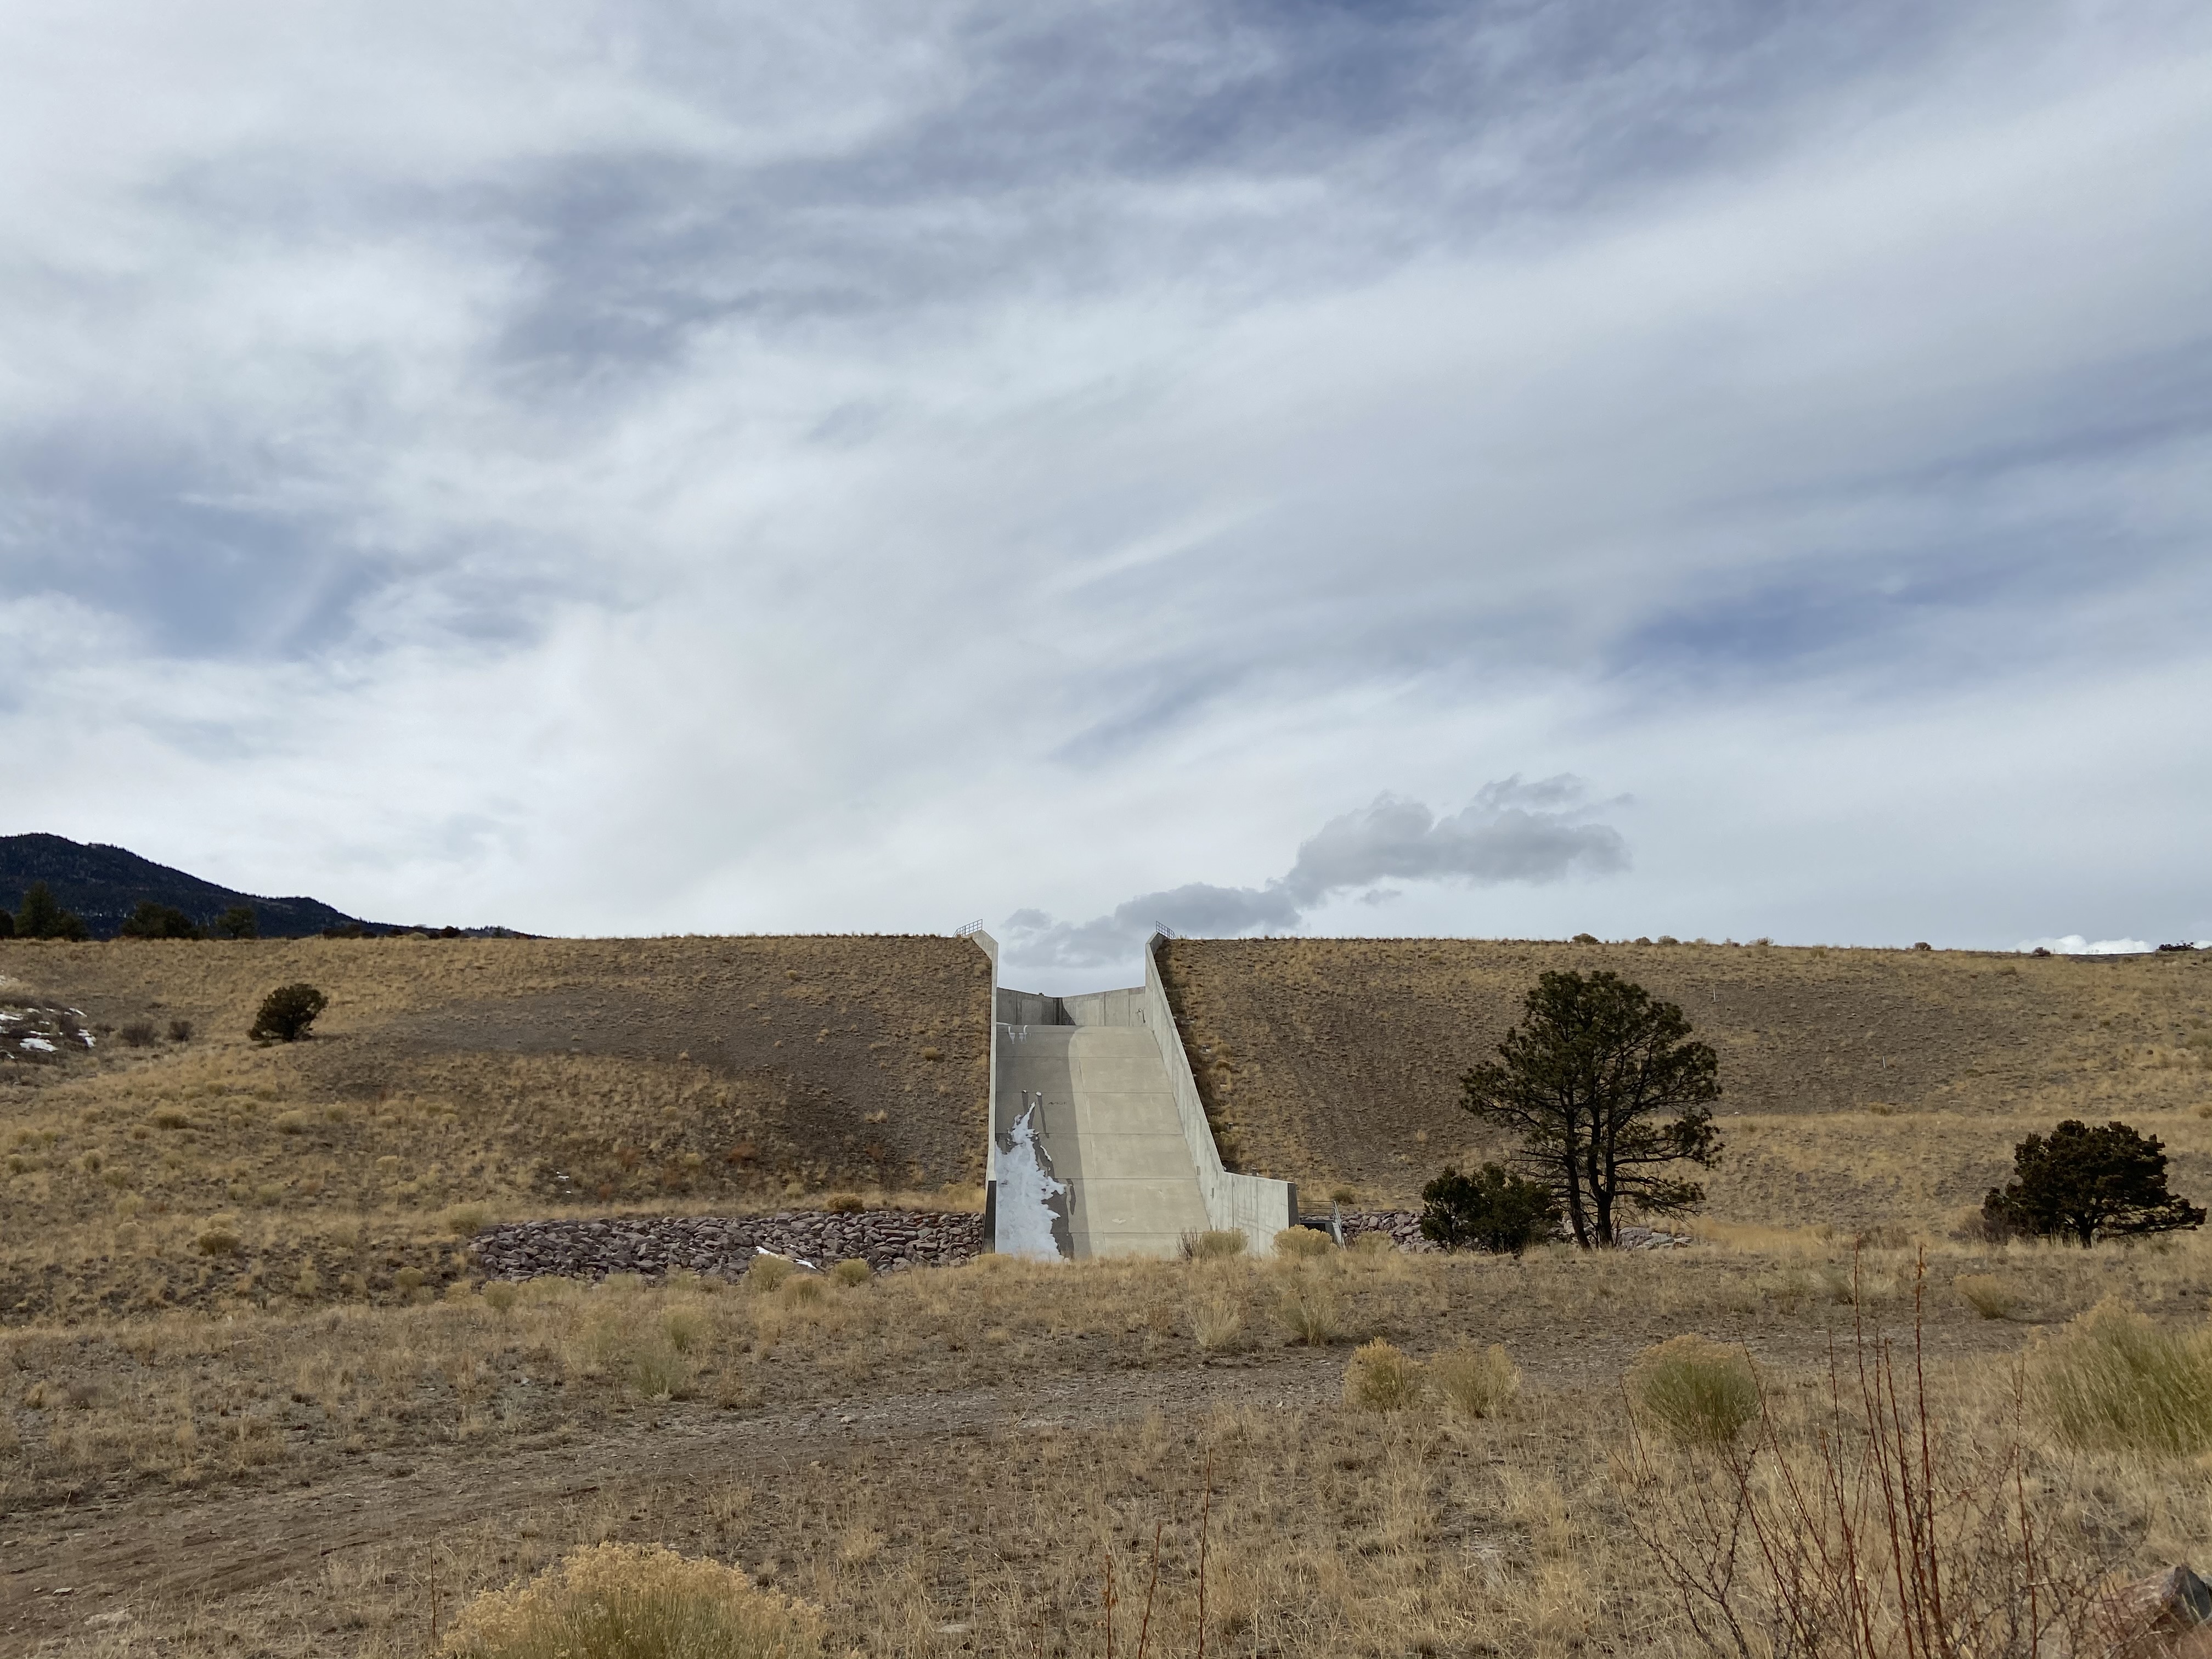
1606	1091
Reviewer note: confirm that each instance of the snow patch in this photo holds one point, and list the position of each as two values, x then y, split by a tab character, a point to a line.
37	1042
1026	1191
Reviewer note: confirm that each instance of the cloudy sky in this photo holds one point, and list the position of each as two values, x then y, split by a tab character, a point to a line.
1509	469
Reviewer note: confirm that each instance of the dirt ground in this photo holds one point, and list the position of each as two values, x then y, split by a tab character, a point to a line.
253	1401
1335	1062
946	1448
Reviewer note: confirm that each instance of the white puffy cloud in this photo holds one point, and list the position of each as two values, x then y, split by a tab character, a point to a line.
2074	944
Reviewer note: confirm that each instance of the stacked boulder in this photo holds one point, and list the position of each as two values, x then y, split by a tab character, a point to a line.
1403	1228
889	1241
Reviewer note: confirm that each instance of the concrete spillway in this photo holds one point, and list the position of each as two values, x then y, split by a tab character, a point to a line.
1105	1118
1099	1142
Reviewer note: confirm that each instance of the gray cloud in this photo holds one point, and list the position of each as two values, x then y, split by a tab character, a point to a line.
1512	831
837	468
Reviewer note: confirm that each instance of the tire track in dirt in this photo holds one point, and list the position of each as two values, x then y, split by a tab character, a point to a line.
195	1547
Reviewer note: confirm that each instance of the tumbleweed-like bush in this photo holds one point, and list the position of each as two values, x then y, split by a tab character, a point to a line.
1698	1393
636	1601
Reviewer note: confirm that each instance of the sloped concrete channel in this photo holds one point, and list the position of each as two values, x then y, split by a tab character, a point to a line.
1100	1145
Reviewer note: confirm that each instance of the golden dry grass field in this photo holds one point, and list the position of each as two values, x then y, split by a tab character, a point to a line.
1861	1087
452	1080
287	1446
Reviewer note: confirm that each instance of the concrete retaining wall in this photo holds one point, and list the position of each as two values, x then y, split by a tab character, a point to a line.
1106	1008
1254	1205
989	946
1125	1007
1028	1008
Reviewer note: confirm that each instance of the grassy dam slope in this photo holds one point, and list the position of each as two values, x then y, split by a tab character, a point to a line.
453	1078
1860	1084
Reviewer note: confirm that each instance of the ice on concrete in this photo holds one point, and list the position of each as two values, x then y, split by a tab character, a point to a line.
1027	1191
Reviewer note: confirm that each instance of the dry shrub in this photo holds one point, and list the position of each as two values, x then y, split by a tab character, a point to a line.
1305	1304
1475	1382
1373	1244
1698	1393
1987	1295
2113	1379
1213	1246
767	1272
685	1328
1871	1530
1379	1377
467	1220
217	1241
636	1601
501	1295
1302	1242
851	1272
661	1373
1216	1319
804	1292
843	1204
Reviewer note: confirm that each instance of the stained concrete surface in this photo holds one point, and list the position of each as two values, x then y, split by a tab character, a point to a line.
1110	1128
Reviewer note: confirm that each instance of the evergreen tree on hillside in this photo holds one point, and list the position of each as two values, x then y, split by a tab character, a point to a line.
7	925
1492	1209
1606	1091
287	1012
238	922
41	917
152	921
2085	1183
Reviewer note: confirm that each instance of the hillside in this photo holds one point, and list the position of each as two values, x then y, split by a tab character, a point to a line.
103	885
521	1076
1859	1083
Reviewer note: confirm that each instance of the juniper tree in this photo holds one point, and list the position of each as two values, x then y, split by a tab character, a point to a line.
287	1012
2086	1183
1607	1093
1492	1209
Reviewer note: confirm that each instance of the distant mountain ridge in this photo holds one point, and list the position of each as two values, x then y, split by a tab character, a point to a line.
103	885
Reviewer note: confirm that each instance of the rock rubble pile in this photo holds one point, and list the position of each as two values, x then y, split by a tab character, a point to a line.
887	1240
1403	1228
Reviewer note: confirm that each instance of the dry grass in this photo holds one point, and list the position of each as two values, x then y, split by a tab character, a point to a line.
455	1082
1699	1392
961	1461
636	1601
1446	1521
2114	1379
1863	1086
1476	1382
300	1387
1987	1295
1379	1377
